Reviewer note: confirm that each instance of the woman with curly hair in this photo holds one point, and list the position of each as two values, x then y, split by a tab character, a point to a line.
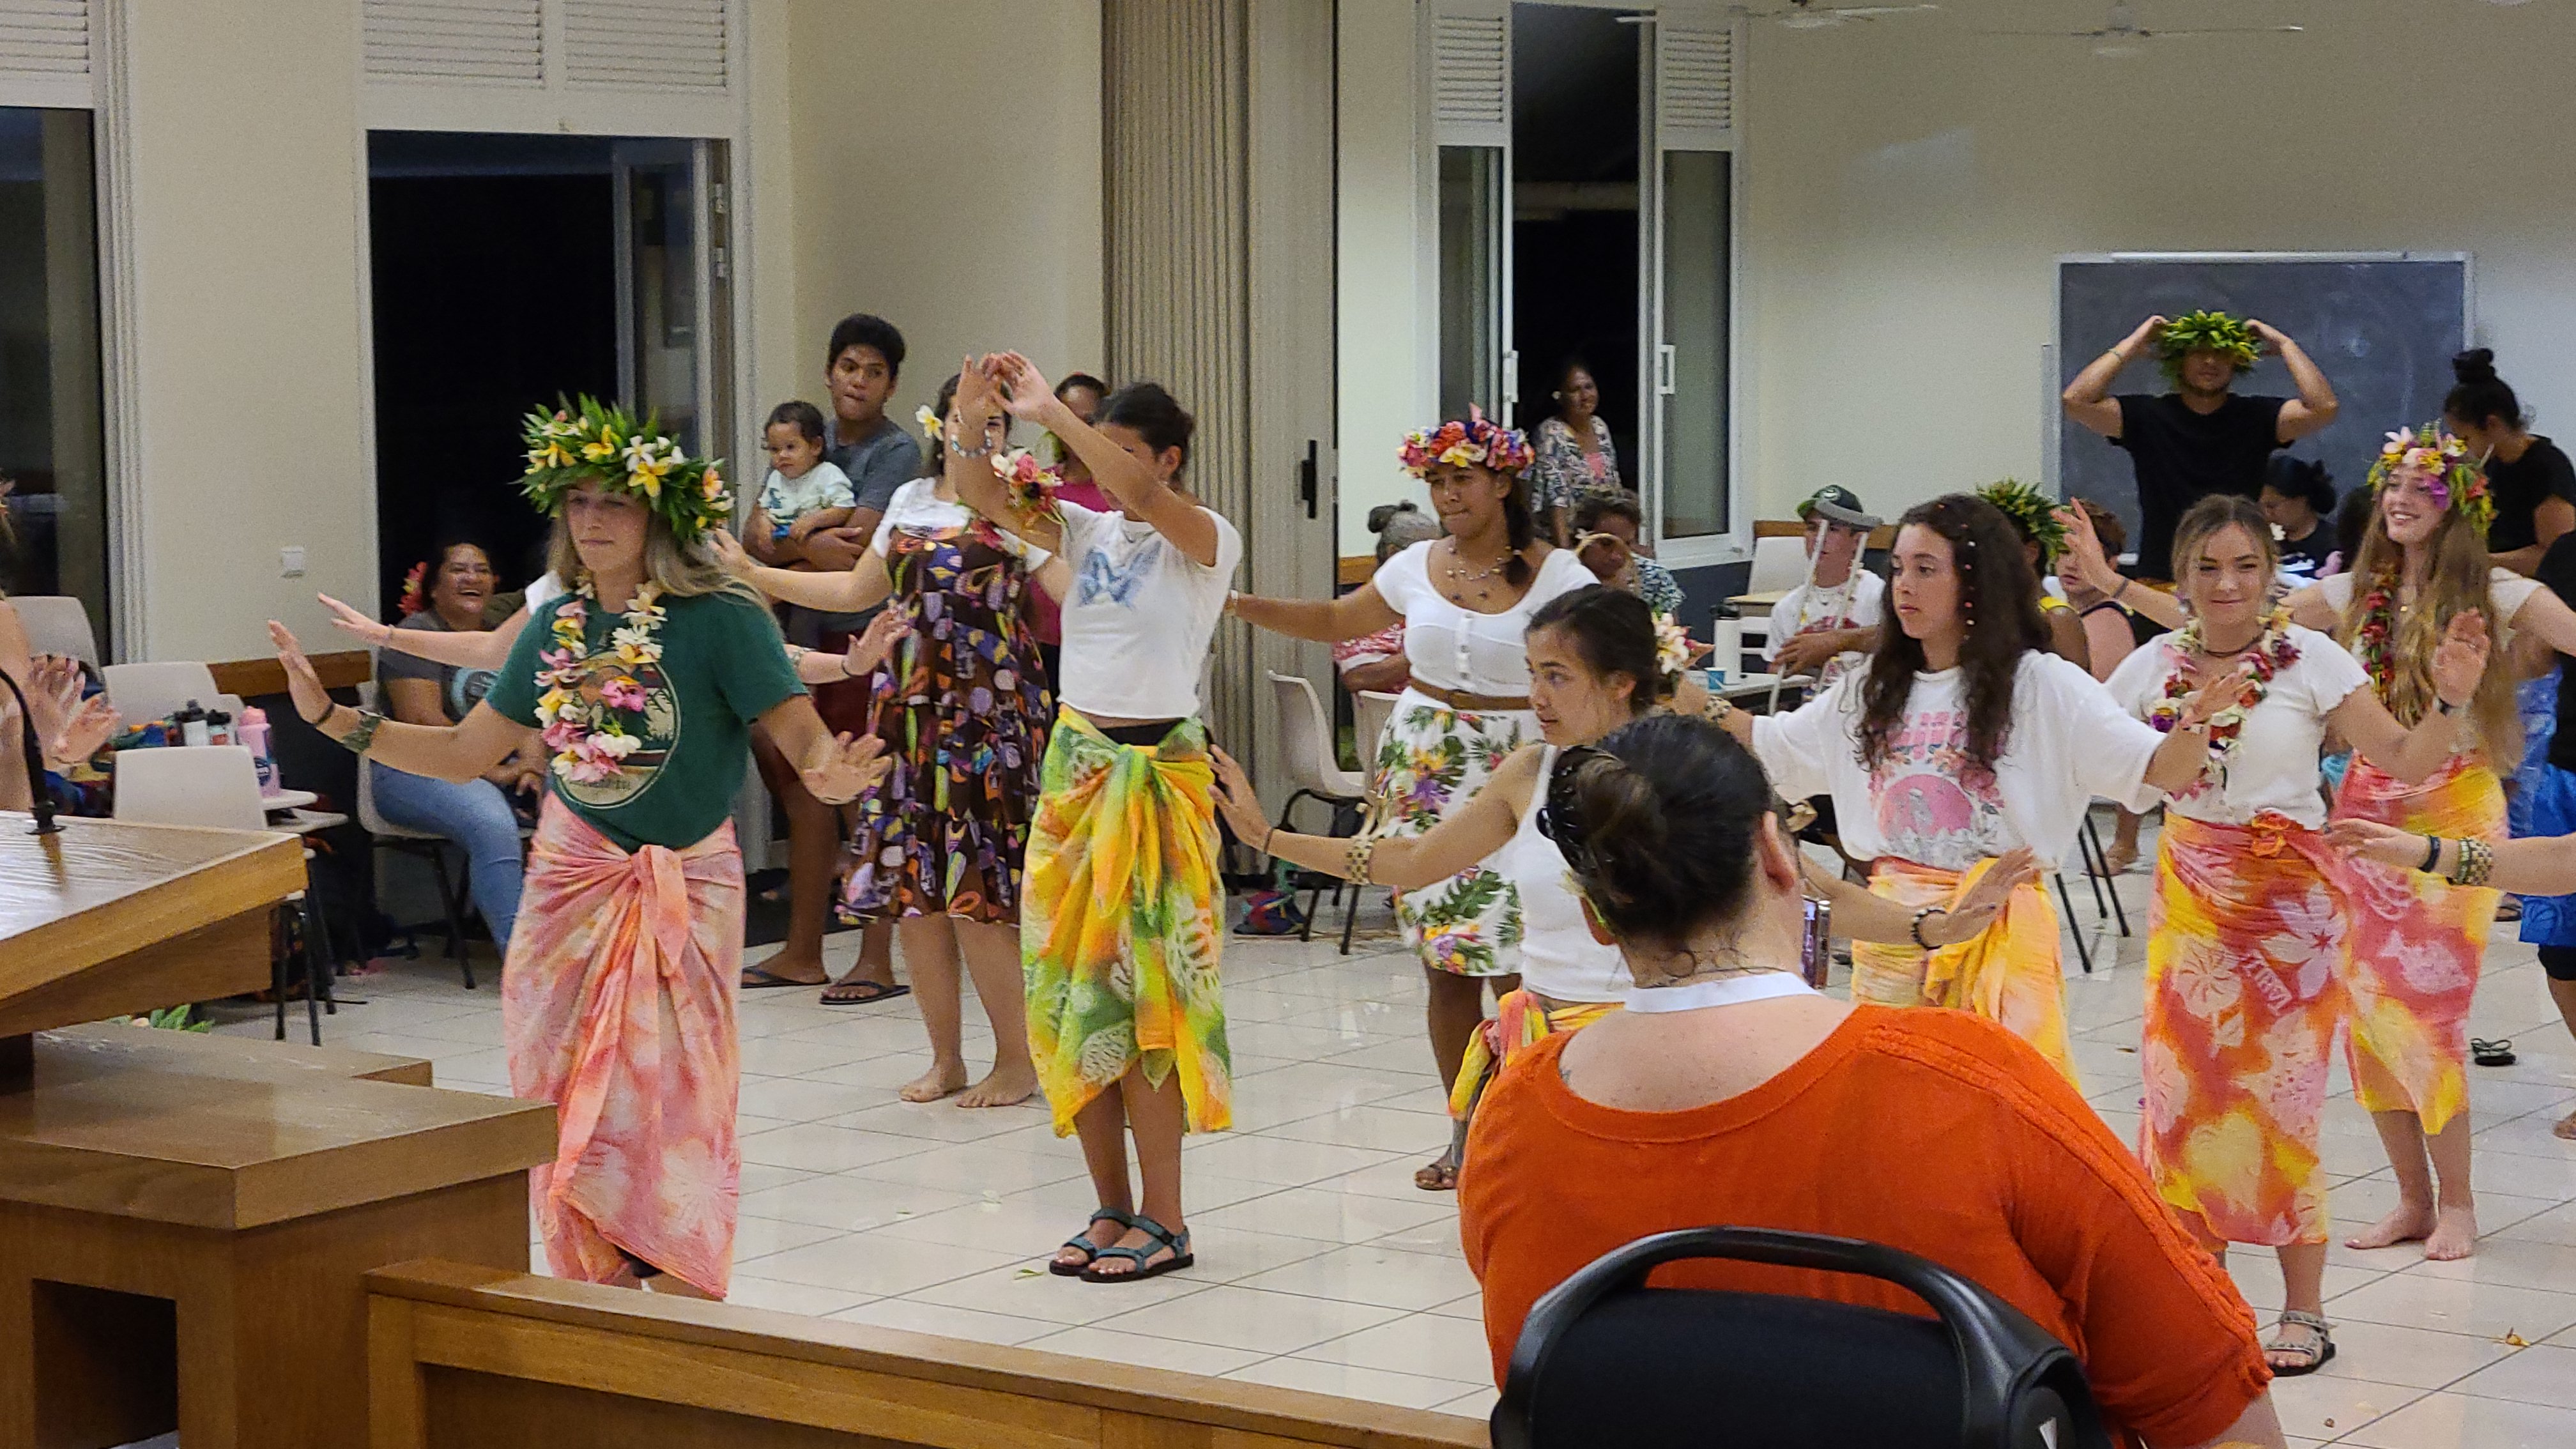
1465	602
1963	740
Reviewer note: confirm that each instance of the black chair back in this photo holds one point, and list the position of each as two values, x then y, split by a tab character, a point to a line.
1603	1359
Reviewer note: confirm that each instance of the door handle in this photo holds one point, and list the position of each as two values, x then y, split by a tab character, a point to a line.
1308	487
1664	368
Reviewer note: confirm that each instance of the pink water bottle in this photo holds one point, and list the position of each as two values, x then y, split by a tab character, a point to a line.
253	734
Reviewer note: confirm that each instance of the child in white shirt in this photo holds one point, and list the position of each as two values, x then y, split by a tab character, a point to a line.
802	494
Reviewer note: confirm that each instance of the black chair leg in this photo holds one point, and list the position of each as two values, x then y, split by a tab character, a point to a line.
2083	953
277	973
1306	930
309	927
1350	918
2110	882
449	901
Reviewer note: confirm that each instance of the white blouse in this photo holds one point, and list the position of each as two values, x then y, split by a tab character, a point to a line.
1459	649
1559	958
2273	767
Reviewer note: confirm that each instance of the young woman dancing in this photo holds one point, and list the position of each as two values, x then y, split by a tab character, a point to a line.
1465	602
1119	932
962	708
1964	740
1597	661
618	994
2246	929
2416	943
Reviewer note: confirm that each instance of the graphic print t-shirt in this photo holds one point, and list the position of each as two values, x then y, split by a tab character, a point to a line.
1933	807
1136	630
723	665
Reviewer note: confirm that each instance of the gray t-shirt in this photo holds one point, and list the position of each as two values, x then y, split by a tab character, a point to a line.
459	690
876	466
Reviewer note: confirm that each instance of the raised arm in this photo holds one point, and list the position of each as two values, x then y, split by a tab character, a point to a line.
1141	495
2413	755
976	412
457	752
1361	612
1486	824
2088	398
489	649
2315	406
2095	565
841	591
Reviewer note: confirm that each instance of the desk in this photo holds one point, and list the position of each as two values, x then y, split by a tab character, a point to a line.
186	1220
288	800
1748	603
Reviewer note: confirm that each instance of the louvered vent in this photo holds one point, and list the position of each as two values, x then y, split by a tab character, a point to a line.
645	44
1472	63
44	38
500	41
1695	81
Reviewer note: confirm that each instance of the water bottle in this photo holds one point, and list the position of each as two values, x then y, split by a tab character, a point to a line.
192	724
1726	634
253	736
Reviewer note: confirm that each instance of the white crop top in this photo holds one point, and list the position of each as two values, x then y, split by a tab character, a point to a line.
1559	958
1459	649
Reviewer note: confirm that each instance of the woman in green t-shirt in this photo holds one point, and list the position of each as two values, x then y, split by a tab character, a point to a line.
642	686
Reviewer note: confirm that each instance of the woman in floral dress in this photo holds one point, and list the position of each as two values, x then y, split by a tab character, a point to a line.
1573	457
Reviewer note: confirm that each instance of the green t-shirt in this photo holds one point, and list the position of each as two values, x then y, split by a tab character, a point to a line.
723	665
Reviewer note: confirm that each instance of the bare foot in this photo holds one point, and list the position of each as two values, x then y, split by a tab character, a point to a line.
936	1083
804	971
2410	1223
1002	1087
2119	856
2454	1235
2565	1131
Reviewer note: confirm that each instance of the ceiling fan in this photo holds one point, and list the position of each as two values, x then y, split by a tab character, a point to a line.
1807	15
2121	36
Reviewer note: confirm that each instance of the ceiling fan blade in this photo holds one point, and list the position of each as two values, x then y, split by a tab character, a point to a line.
2053	34
1872	12
2223	30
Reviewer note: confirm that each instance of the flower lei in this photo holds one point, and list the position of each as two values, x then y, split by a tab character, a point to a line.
589	735
415	594
2273	652
2206	331
1032	484
2450	474
1672	646
591	441
1478	440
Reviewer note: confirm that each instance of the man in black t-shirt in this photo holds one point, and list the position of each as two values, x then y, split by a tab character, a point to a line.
2200	438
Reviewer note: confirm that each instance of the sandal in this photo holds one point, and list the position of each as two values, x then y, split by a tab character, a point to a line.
756	979
1163	1238
2318	1353
861	993
1081	1241
1440	1174
2485	1053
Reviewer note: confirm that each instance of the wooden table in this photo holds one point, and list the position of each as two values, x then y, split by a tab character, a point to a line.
1747	603
186	1220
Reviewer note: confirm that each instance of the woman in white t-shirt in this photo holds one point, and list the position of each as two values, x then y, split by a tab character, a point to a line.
1964	740
2417	943
2247	923
1119	926
937	845
1465	602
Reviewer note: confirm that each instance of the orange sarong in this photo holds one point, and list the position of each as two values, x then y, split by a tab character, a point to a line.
2417	941
617	1002
2009	973
2245	952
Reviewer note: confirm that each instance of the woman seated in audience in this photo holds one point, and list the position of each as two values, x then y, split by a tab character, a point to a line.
445	595
1606	529
1729	1092
1376	662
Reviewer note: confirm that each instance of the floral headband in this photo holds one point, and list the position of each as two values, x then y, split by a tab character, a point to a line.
2207	332
1477	440
589	441
2031	511
2451	475
415	594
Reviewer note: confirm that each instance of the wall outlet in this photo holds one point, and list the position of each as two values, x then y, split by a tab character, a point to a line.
290	561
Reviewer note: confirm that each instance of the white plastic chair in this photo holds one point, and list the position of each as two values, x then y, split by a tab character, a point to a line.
157	689
57	624
216	787
1372	711
1306	748
1778	563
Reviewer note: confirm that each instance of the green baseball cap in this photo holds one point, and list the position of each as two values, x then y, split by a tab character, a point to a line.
1837	504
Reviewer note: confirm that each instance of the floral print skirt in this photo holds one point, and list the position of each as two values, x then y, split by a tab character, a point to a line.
1432	762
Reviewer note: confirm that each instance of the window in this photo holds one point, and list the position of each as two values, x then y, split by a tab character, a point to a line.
52	428
1698	251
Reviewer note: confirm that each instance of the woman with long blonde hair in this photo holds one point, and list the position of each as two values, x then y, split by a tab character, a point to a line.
2417	942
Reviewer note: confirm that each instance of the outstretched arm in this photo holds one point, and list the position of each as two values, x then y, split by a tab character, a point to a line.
2413	755
2315	406
1354	615
2536	865
2088	398
838	591
975	414
1485	825
1863	916
489	649
457	752
835	768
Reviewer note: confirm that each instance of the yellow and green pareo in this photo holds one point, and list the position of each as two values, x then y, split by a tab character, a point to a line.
1119	926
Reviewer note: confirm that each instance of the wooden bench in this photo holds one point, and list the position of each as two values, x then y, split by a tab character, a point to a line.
476	1357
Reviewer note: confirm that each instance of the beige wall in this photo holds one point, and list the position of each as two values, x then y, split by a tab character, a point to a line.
943	171
1389	352
246	367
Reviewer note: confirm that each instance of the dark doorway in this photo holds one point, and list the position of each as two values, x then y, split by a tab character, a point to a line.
1574	210
495	288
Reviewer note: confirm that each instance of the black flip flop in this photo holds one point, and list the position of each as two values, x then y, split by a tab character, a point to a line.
863	993
755	979
2491	1053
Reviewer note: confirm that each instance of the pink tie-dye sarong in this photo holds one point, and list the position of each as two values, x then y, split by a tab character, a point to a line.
617	1003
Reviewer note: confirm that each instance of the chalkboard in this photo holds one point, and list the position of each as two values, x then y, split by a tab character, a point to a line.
2382	327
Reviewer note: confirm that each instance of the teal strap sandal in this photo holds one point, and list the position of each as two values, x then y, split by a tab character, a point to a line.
1082	1243
1163	1238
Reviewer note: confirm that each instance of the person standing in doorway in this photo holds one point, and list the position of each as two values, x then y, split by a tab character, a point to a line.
1575	457
2201	438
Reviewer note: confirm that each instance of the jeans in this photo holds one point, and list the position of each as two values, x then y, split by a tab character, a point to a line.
474	814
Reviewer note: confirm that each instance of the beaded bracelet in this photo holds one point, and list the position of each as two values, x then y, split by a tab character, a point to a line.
1917	929
2476	863
961	450
1362	850
2432	853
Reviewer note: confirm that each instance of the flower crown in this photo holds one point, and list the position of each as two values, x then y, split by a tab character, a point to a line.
415	594
591	441
2207	332
1477	440
2031	511
1672	646
2452	476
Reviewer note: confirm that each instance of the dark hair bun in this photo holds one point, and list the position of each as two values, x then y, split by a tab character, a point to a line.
2475	366
1658	823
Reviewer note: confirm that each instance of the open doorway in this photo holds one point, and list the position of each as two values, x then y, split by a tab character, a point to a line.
1575	139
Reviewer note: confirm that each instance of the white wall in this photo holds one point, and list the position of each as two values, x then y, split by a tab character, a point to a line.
1911	184
942	171
245	367
1388	364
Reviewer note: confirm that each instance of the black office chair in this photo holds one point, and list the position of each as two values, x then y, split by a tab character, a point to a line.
1604	1360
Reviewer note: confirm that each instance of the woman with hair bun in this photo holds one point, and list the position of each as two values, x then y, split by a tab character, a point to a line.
1962	741
1465	602
2530	479
1729	1091
2298	501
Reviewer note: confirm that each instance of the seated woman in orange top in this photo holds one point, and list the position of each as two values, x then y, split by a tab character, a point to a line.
1729	1092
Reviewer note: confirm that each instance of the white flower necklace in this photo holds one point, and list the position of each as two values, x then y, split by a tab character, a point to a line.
587	724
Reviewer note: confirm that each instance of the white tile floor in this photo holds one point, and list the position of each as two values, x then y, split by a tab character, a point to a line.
1322	1267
